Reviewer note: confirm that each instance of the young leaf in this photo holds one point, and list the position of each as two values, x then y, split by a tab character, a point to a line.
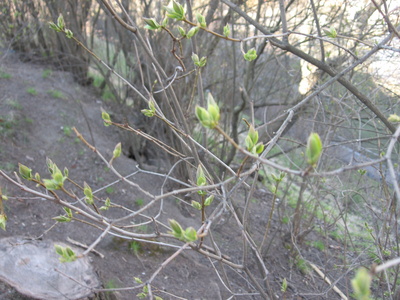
331	32
213	110
195	58
203	116
3	221
88	193
62	219
227	30
50	184
177	230
138	280
151	24
209	200
68	211
182	31
53	26
251	54
201	20
175	11
69	34
394	118
259	148
106	118
201	178
117	151
60	22
314	149
253	134
196	205
192	32
362	284
59	249
190	234
25	172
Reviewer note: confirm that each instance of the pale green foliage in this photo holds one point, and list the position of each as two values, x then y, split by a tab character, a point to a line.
66	253
250	55
151	24
251	141
314	149
187	235
175	10
209	118
362	284
394	118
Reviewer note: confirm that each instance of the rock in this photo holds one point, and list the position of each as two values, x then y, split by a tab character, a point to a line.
33	268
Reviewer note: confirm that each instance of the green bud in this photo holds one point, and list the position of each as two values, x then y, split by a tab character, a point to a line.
175	11
201	178
54	27
202	62
69	34
259	148
59	178
51	184
196	205
50	165
209	200
251	54
141	295
62	219
201	20
59	249
203	116
151	24
199	62
274	177
177	230
60	22
213	109
362	284
284	285
314	149
249	143
182	31
70	252
331	32
209	118
192	32
190	234
68	211
151	111
3	221
117	151
227	30
66	172
88	193
394	118
138	280
37	176
253	134
362	171
4	197
106	118
195	58
164	22
25	172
